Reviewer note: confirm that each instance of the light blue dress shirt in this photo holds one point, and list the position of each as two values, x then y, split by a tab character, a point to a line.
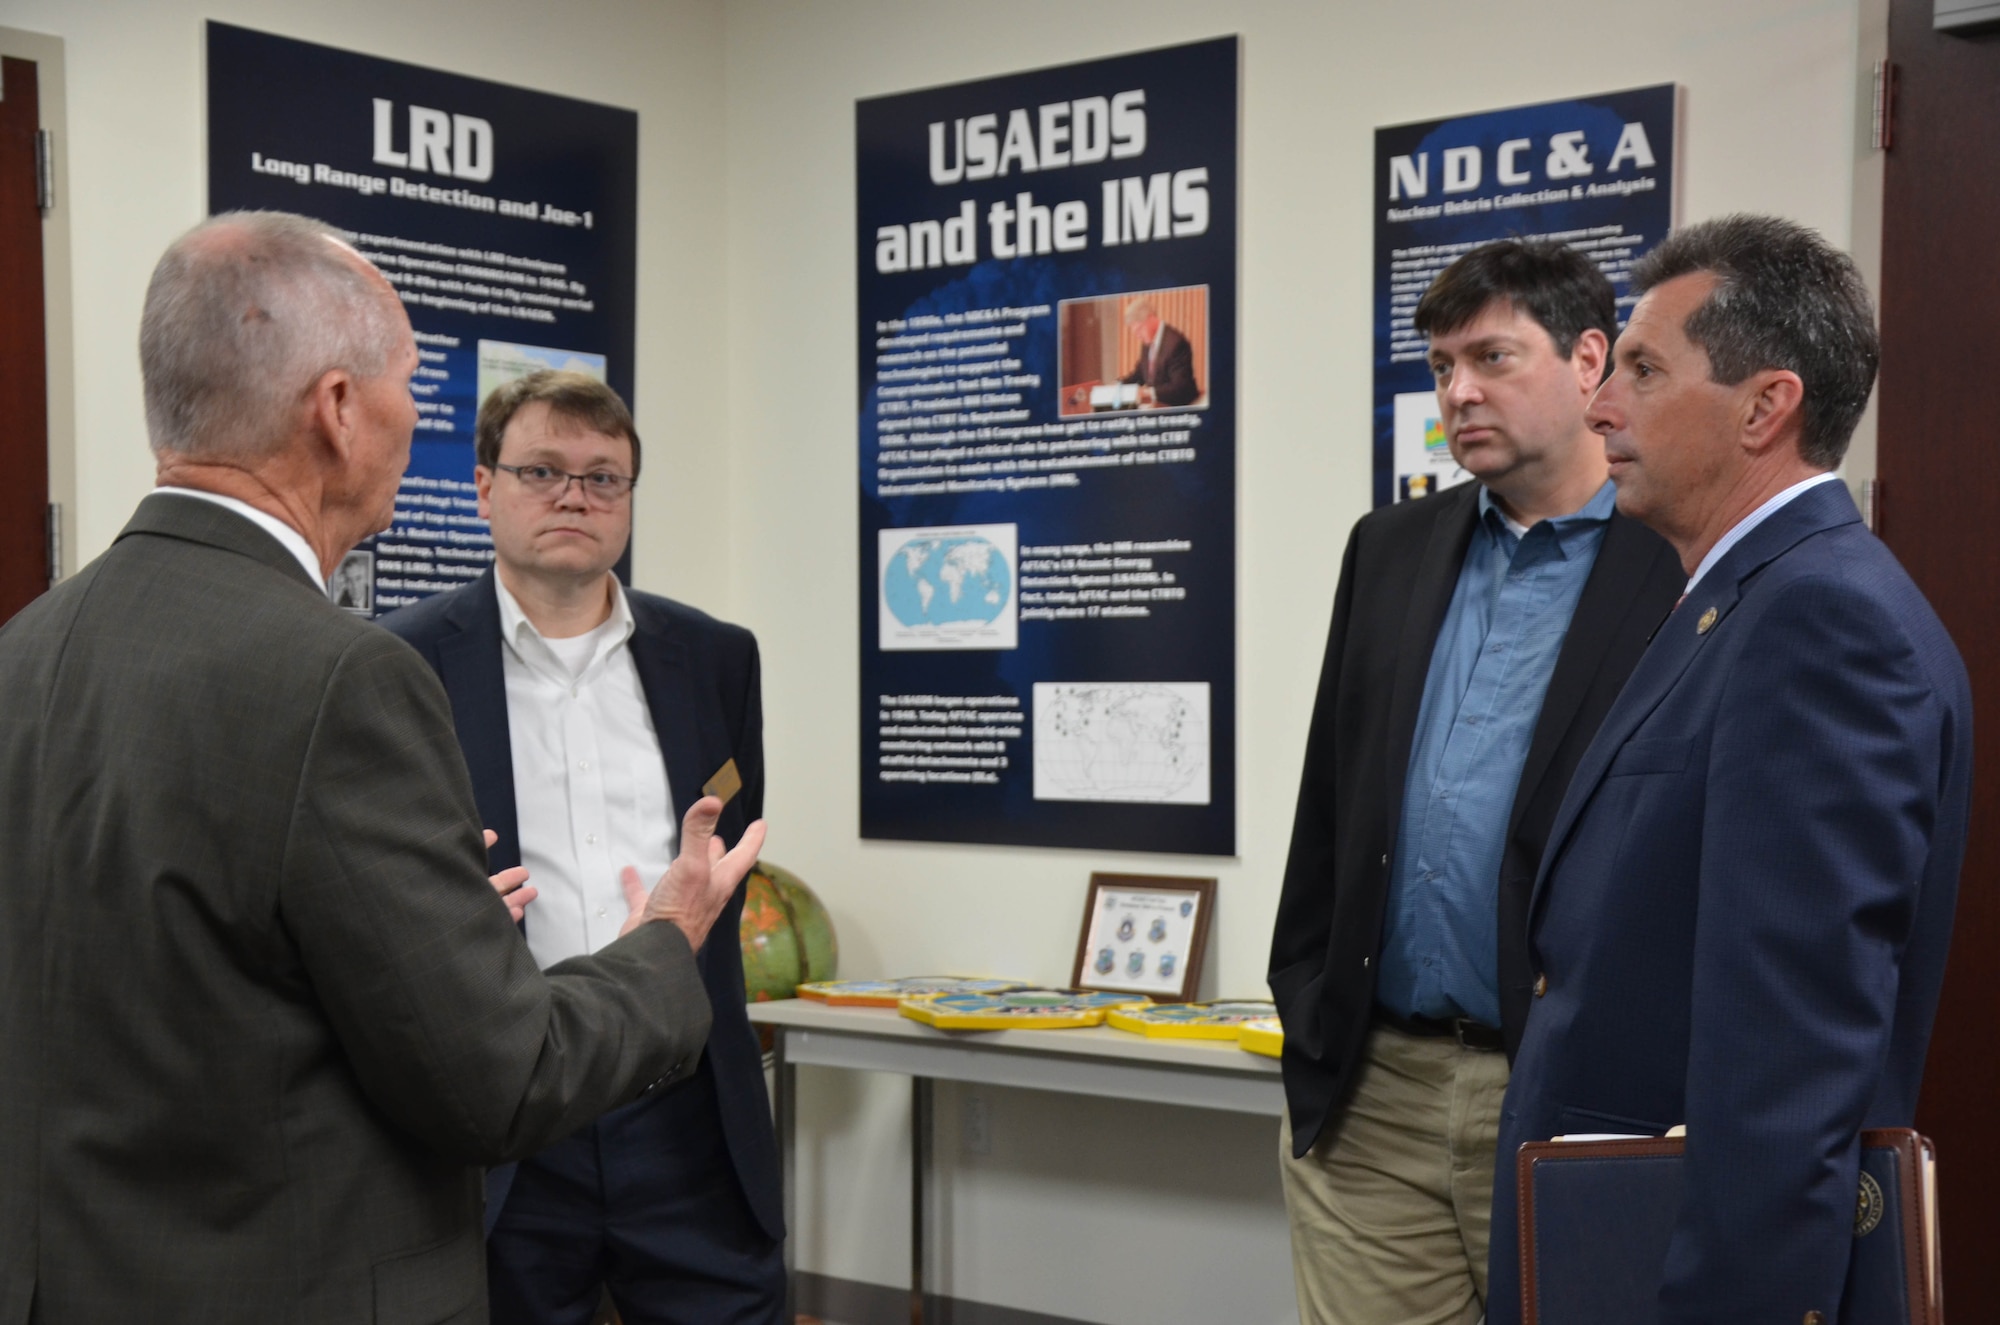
1489	670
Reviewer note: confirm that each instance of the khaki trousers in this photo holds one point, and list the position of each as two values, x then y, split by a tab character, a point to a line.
1392	1210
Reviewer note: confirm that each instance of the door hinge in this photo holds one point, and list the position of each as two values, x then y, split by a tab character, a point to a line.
45	171
55	543
1884	132
1871	505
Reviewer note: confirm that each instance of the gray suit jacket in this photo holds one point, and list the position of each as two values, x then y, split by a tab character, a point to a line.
261	1012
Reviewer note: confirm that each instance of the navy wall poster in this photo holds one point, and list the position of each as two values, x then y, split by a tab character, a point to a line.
1047	289
506	219
1595	172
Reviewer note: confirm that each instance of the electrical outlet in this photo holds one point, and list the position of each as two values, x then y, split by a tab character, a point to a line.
975	1130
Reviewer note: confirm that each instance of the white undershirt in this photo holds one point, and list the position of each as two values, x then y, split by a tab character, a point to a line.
291	539
590	786
1741	529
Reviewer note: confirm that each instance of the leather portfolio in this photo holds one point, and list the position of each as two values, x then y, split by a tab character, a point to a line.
1597	1215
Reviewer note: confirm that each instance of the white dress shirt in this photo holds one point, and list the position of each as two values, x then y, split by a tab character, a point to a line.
293	541
1741	529
590	786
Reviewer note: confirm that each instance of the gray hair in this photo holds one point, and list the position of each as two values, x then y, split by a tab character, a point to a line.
244	313
1784	298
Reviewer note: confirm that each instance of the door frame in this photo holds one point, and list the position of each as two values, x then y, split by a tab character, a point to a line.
58	321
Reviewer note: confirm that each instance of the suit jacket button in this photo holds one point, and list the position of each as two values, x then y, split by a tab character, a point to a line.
1541	985
1815	1318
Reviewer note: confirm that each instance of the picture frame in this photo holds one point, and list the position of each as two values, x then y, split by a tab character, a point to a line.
1144	934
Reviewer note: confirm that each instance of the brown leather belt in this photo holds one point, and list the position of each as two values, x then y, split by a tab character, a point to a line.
1469	1033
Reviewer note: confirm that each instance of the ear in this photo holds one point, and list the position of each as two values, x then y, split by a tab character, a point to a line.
1773	410
332	403
482	479
1588	357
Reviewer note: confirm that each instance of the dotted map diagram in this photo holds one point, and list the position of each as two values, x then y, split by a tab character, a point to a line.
1122	741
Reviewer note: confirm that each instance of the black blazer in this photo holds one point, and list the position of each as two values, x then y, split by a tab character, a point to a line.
1172	378
700	676
1396	582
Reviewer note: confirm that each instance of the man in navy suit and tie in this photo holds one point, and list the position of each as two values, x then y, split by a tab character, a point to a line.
590	716
1741	919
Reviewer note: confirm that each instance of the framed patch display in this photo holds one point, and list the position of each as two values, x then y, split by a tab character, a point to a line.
1144	934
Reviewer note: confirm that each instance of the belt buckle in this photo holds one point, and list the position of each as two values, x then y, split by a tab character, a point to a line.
1458	1029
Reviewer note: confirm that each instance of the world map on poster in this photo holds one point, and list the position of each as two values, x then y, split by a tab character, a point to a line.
1122	741
942	581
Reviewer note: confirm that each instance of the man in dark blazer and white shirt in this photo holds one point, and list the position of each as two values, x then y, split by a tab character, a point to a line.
1741	921
587	711
262	1015
1478	638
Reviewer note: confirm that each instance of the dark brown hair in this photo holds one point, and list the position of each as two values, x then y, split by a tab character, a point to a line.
573	397
1556	285
1783	298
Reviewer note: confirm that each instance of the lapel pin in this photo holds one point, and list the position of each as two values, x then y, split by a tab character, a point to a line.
1707	622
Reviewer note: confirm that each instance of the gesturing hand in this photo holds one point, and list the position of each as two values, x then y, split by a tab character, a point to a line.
510	884
701	880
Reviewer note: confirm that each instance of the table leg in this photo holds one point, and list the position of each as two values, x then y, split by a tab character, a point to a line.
785	1088
920	1169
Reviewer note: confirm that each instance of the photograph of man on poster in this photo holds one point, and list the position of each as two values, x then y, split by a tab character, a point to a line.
1164	373
1161	334
353	583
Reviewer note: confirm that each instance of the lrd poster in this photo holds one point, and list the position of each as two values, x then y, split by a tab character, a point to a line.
506	219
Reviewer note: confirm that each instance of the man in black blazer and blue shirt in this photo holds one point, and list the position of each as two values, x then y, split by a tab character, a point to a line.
1478	638
587	713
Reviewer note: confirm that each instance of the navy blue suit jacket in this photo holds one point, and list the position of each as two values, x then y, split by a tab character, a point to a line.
1744	909
700	677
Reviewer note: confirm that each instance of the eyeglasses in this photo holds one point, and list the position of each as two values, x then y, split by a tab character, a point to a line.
601	487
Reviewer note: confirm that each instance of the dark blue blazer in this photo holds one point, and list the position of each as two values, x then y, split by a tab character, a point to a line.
1743	913
701	682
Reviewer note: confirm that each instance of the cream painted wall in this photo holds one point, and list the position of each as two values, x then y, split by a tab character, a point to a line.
1772	110
136	176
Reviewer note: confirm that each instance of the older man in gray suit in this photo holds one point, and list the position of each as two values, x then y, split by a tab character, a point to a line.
261	1010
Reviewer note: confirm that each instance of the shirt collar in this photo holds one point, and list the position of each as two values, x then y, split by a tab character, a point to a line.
288	538
1594	512
1741	529
530	646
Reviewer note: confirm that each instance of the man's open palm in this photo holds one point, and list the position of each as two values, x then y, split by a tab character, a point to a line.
700	882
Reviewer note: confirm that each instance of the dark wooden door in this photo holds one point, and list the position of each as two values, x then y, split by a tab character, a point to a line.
1939	464
24	402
